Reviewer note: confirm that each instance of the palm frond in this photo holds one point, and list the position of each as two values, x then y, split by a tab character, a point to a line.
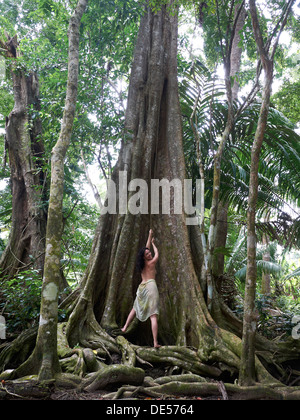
268	267
279	180
295	273
285	230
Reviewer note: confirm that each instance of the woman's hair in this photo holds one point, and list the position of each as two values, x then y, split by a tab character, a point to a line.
140	263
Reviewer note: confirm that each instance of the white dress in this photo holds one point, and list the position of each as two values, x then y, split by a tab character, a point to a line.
147	300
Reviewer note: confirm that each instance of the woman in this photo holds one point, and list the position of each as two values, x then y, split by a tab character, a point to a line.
146	303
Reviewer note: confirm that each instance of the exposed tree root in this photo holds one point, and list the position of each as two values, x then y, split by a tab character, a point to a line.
24	388
126	369
208	389
185	358
271	351
113	374
17	351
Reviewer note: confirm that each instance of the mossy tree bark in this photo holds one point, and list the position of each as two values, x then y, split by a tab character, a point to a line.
152	149
235	65
247	372
26	246
44	359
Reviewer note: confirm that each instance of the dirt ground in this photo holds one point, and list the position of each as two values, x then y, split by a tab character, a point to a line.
100	395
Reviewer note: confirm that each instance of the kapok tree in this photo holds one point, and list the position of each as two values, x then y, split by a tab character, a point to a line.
151	149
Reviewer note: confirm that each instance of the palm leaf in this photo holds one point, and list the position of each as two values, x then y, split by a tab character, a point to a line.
295	273
279	180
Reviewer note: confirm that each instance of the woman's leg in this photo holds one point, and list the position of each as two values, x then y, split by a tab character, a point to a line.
154	327
130	318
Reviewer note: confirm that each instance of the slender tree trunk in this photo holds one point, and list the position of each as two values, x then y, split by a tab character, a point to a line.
211	243
247	370
235	60
26	246
44	359
266	277
221	237
236	50
227	56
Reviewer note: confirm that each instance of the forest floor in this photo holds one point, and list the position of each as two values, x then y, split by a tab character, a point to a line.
75	395
100	395
32	392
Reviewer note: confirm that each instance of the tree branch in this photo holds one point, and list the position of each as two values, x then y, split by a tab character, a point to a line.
257	34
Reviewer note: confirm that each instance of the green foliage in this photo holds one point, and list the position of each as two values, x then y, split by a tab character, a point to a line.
287	100
6	27
20	300
294	273
288	304
98	128
79	228
2	246
5	215
6	101
280	157
276	315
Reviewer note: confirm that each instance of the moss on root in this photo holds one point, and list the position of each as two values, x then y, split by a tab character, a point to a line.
130	373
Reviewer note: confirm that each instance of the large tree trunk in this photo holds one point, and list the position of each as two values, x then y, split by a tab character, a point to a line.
26	246
152	149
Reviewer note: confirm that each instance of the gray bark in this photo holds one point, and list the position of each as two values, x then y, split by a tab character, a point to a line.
235	60
247	370
44	359
24	143
152	149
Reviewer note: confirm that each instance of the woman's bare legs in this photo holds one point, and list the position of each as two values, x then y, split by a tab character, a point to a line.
130	318
154	327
